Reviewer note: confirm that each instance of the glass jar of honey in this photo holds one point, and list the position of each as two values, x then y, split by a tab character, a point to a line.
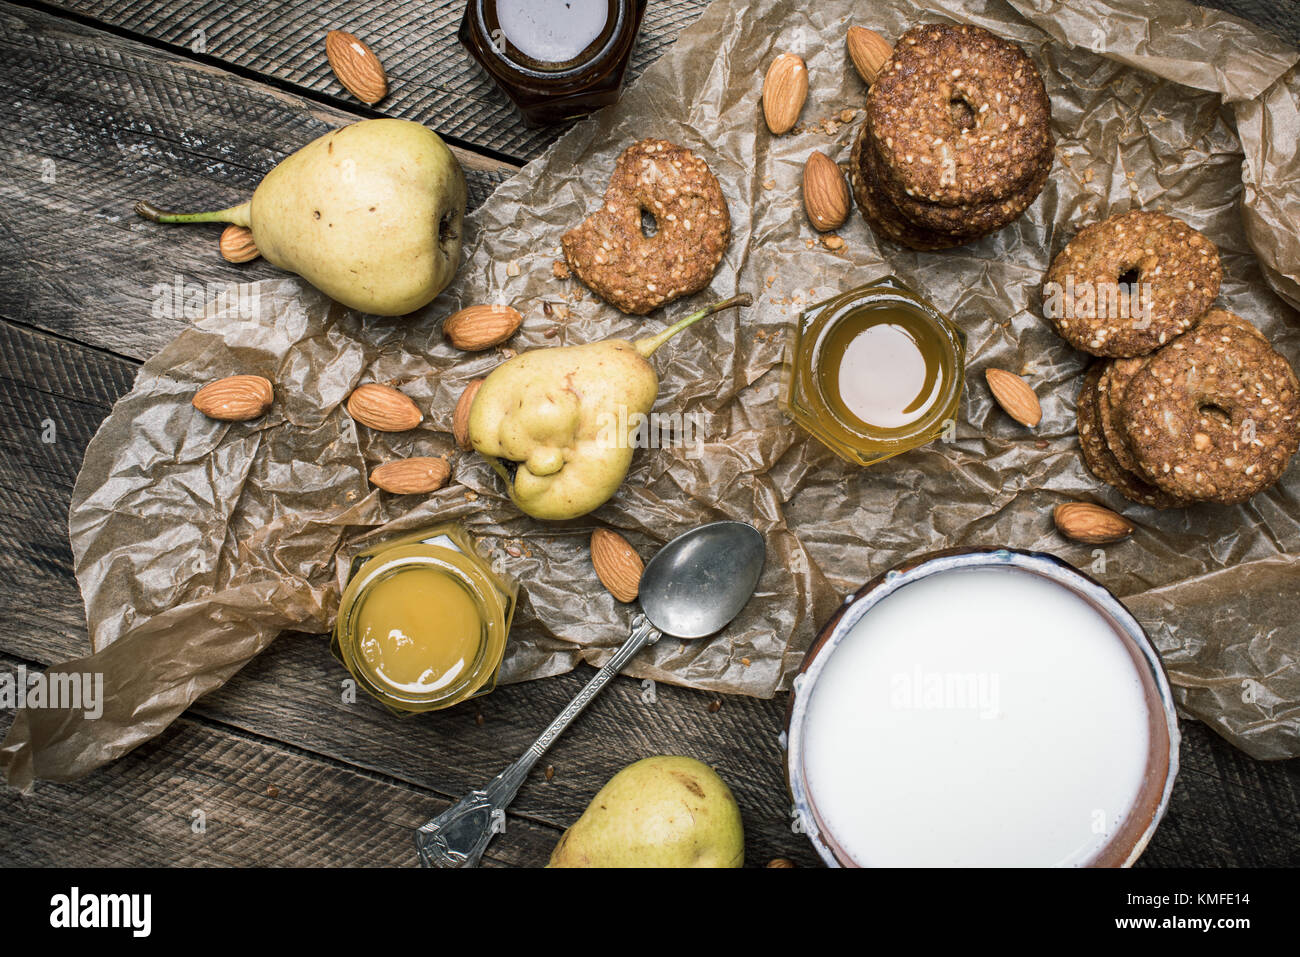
874	372
423	620
554	59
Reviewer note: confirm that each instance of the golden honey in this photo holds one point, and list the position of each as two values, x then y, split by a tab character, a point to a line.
423	620
874	372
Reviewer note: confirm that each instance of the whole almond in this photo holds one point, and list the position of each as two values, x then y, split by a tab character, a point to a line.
383	408
825	193
460	418
411	476
481	327
235	398
617	564
237	244
784	90
869	51
356	66
1015	396
1085	522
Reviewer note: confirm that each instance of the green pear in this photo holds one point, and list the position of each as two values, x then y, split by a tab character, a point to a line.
558	423
370	214
658	812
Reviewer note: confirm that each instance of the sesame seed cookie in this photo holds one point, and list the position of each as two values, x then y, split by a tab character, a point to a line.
959	116
1215	415
634	272
1097	454
1131	283
879	210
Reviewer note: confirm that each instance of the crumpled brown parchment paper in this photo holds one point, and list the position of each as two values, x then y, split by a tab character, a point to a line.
196	543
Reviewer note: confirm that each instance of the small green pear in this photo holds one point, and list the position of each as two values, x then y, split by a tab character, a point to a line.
658	812
370	214
558	423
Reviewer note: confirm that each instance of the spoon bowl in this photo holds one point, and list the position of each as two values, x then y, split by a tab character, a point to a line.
697	583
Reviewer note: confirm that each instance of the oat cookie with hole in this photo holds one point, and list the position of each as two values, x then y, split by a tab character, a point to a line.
959	116
1131	283
1098	457
1215	415
1113	387
635	272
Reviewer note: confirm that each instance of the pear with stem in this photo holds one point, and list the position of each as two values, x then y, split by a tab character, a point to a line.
370	214
559	424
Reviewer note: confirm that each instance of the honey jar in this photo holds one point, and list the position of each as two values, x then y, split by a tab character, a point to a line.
423	620
874	372
554	59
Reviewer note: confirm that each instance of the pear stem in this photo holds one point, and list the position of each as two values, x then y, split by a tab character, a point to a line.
647	347
235	214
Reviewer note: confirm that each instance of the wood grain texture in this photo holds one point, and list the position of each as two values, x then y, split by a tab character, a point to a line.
431	79
75	156
261	804
119	118
1227	809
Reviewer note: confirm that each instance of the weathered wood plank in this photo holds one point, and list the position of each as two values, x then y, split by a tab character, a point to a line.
1227	809
431	78
1276	16
203	795
74	155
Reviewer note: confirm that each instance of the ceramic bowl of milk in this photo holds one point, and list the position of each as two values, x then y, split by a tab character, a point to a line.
984	708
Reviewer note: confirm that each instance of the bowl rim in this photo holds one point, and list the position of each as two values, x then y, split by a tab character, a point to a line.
856	605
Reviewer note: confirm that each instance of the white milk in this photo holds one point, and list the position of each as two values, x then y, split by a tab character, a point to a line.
977	717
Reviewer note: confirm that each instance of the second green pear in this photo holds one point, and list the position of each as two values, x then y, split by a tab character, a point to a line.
664	811
370	214
558	424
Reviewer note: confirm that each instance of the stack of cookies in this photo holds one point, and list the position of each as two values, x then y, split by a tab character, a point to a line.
1190	403
956	141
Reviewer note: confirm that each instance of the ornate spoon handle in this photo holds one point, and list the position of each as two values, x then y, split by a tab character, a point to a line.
459	835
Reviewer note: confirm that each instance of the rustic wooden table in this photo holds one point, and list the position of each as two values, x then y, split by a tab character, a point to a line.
103	103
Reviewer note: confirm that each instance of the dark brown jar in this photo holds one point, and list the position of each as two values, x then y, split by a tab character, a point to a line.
555	59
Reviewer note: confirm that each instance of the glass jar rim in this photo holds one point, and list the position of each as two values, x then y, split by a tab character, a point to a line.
454	563
819	319
614	31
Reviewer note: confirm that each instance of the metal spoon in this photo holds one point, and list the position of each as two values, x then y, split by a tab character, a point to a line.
693	587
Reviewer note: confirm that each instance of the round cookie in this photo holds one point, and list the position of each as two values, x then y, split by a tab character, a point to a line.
979	219
884	217
1177	268
959	116
1214	416
1097	455
637	273
1114	384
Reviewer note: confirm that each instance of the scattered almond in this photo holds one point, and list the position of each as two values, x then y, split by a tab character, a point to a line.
1015	396
383	408
780	862
617	564
236	398
237	244
869	51
356	66
833	242
411	476
481	327
460	418
825	193
784	90
1093	524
